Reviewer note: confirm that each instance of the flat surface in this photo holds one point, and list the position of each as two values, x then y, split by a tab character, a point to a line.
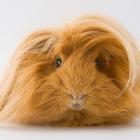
124	132
20	17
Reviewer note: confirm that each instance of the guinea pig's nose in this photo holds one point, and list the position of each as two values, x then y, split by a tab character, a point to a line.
76	102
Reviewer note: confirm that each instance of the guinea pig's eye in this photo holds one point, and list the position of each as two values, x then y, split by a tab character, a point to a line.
58	62
99	63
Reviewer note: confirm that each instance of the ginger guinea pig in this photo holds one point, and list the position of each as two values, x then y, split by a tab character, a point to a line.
85	74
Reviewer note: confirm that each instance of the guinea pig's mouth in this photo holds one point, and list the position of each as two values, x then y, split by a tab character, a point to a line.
76	107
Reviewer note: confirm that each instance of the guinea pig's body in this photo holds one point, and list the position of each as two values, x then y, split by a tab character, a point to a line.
84	75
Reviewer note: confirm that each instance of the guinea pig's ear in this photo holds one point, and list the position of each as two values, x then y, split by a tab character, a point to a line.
116	48
37	42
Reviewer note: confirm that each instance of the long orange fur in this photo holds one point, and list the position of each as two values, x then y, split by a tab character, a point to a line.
35	91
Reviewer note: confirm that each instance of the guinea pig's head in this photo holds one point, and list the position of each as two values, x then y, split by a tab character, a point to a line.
79	76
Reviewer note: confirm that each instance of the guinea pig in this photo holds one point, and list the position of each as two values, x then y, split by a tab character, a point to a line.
84	74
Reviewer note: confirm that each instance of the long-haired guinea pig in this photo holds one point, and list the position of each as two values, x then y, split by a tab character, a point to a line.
84	74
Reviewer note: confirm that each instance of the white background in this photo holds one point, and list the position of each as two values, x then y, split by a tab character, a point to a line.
20	17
